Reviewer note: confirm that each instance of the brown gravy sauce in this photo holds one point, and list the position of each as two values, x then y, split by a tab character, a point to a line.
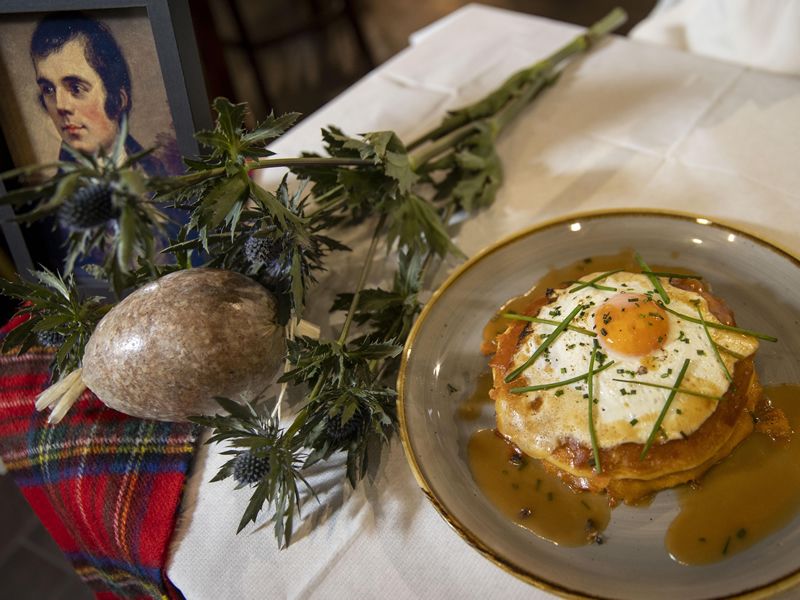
534	499
752	493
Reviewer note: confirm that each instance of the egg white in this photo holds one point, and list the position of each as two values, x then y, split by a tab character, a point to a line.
625	412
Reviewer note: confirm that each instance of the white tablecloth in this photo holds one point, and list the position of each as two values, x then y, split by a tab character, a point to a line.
631	125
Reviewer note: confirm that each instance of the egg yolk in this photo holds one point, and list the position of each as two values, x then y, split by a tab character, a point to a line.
631	324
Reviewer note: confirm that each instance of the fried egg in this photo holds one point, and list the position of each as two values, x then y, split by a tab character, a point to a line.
636	339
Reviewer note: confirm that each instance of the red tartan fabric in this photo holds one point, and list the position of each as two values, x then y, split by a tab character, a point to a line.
106	486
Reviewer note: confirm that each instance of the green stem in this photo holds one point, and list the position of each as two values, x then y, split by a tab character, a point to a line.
376	236
302	415
331	192
318	386
330	205
510	111
541	70
443	145
270	163
448	213
446	162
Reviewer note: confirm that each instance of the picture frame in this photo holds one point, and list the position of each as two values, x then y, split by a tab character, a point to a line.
161	27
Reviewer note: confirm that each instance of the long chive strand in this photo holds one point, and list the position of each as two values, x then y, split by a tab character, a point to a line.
591	282
714	347
652	277
544	345
691	319
516	317
592	433
669	387
657	425
558	384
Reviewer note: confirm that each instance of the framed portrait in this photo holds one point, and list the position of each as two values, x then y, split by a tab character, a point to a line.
71	69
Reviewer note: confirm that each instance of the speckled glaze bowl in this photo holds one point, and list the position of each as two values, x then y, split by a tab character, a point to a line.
760	282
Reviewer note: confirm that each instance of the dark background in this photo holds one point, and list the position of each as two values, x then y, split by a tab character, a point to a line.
295	55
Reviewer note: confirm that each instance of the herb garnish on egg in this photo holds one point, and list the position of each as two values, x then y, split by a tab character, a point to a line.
657	425
713	345
545	344
593	282
652	277
750	332
590	398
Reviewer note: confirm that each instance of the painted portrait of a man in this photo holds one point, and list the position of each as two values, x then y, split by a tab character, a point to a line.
85	85
81	76
77	81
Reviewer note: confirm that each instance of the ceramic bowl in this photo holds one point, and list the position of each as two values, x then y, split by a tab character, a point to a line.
759	281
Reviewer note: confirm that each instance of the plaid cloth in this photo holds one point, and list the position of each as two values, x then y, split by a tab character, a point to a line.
106	486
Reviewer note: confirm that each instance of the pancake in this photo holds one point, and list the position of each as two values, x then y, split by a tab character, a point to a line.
636	342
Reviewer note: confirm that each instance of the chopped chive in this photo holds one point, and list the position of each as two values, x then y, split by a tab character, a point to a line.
669	387
633	421
653	278
714	346
516	317
592	282
657	424
559	393
755	334
675	275
727	543
592	433
544	345
555	384
596	286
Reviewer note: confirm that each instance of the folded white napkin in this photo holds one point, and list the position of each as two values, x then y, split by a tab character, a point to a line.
764	34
